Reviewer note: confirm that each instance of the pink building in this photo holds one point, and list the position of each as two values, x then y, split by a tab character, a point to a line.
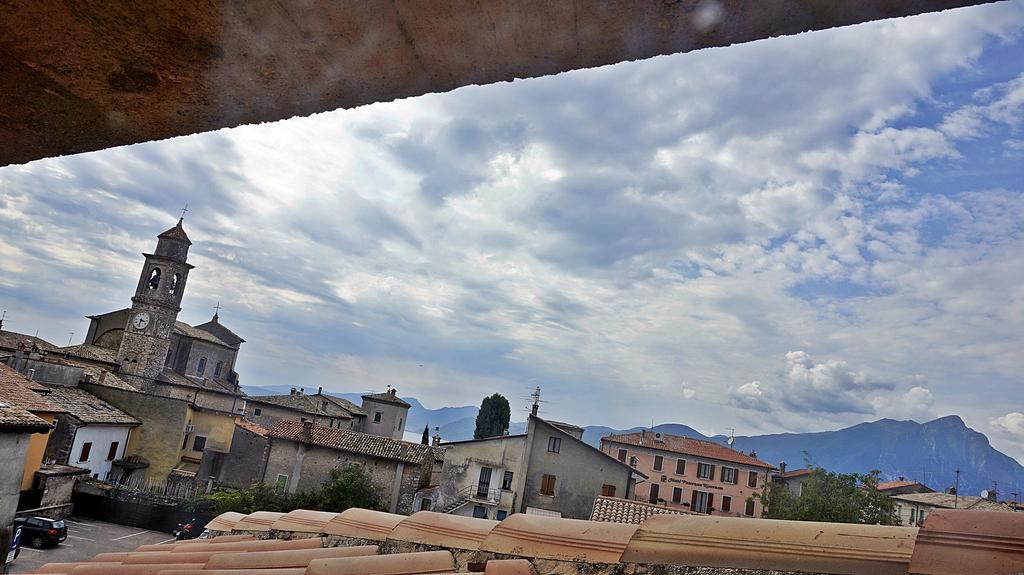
690	474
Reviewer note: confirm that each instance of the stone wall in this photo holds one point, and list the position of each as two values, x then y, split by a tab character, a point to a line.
307	467
13	447
159	437
242	465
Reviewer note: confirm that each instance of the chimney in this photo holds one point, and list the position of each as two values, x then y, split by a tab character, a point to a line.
293	391
901	478
31	374
307	430
782	467
753	454
437	437
302	391
103	376
320	390
992	495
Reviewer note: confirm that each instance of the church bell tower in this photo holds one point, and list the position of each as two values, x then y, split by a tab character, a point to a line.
155	307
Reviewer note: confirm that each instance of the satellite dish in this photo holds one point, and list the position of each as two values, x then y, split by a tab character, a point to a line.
731	441
984	493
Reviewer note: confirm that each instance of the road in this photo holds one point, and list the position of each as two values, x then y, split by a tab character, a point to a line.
87	537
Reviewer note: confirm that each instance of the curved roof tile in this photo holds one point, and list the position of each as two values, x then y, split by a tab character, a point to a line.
225	521
258	521
363	524
691	540
304	521
282	559
399	564
979	542
443	530
259	545
563	539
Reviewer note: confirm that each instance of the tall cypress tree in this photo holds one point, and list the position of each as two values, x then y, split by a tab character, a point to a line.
493	417
426	435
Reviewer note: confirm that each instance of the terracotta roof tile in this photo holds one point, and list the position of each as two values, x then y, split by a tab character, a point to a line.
687	446
691	540
251	427
287	558
953	542
303	521
311	404
616	510
354	442
260	545
509	567
443	530
90	352
107	569
363	524
258	521
88	408
195	543
398	564
225	521
17	403
284	571
795	473
527	535
895	484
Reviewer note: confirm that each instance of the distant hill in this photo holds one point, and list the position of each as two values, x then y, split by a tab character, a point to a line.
927	452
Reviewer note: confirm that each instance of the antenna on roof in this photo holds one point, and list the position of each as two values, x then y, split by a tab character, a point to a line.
732	436
2	318
71	336
535	396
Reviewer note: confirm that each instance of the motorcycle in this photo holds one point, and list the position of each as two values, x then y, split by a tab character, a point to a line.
185	530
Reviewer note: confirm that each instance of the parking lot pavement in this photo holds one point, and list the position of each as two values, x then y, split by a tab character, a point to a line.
87	537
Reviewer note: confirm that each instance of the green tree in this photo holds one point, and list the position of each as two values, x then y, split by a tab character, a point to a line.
349	486
835	497
426	435
493	417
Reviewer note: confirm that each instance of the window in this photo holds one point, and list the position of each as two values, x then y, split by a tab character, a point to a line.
920	517
84	455
700	502
167	360
506	480
257	412
501	515
112	453
547	485
730	475
218	369
480	512
154	278
425	504
726	503
302	419
323	405
752	479
554	444
705	471
175	282
376	416
201	368
659	461
184	441
199	443
749	511
622	455
281	484
913	516
655	492
483	485
680	467
607	490
677	495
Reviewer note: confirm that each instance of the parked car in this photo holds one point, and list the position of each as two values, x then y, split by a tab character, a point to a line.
40	531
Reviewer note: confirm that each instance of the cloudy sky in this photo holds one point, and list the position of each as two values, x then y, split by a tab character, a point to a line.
795	234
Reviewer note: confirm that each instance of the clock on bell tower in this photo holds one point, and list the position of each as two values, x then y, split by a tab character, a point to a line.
156	305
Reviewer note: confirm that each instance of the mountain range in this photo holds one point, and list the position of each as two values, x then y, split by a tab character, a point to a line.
927	452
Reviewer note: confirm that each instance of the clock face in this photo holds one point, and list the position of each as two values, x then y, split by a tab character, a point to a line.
140	321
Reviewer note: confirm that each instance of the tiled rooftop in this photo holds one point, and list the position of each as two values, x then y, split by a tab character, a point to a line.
795	473
950	542
887	485
686	446
354	442
309	403
18	403
387	397
11	339
616	510
252	427
948	501
87	407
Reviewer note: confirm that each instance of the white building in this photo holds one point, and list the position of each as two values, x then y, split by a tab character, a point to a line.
92	434
913	508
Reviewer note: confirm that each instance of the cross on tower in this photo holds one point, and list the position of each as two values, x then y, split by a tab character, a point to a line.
184	210
217	307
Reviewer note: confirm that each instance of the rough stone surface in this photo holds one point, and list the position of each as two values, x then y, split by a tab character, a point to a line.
81	76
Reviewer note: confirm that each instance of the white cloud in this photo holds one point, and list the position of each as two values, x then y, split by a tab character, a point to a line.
1011	423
